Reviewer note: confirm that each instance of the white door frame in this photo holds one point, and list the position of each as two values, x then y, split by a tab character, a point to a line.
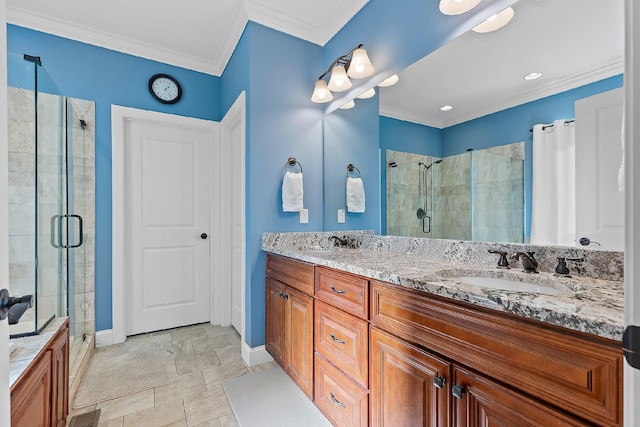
233	167
5	400
119	117
632	201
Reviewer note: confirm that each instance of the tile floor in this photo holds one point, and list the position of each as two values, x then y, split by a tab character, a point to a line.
204	355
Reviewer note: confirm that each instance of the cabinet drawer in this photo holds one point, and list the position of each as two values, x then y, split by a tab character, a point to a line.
345	291
340	399
342	339
297	274
580	374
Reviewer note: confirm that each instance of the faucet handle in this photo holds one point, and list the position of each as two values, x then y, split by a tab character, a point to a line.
503	262
562	269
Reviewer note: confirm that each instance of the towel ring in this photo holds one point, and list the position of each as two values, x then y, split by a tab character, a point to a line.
292	162
350	169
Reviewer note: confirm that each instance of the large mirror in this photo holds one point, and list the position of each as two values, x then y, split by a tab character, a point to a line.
466	173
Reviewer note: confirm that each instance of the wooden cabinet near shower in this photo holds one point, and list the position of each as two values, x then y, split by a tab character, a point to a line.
40	396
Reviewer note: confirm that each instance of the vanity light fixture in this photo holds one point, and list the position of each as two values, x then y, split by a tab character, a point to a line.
495	22
446	108
355	64
457	7
532	76
389	81
368	94
348	105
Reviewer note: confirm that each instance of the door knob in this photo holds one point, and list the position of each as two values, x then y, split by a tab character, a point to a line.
203	236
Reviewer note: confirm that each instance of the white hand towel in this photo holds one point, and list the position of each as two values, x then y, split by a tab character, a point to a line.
355	195
292	192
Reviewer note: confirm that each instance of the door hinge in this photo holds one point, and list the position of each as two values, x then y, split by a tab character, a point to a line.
631	345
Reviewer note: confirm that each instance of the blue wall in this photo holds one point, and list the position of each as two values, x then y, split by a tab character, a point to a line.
352	136
108	77
281	122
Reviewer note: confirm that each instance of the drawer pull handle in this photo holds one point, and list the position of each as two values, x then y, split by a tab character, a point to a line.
285	296
457	391
339	341
439	382
338	291
336	401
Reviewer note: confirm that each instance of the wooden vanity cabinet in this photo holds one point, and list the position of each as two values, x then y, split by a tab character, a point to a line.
541	370
342	347
409	387
289	318
40	397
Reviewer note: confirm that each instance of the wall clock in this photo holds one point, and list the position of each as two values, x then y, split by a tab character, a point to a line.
165	88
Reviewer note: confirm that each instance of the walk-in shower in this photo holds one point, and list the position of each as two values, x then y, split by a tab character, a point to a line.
51	144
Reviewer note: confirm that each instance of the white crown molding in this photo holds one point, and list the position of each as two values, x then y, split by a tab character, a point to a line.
318	34
73	31
396	113
543	92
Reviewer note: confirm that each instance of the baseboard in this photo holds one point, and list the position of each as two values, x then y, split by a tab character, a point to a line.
255	356
104	338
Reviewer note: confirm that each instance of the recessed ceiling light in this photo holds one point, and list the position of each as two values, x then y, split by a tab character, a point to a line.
456	7
349	105
446	108
389	81
532	76
368	94
495	22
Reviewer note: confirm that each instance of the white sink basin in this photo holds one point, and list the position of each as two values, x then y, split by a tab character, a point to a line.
508	285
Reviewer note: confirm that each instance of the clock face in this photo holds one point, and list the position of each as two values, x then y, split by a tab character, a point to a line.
165	88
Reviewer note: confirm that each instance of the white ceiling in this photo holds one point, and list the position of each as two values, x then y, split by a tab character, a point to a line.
195	34
572	42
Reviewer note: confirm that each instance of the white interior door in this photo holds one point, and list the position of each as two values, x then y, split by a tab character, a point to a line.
168	188
231	249
599	203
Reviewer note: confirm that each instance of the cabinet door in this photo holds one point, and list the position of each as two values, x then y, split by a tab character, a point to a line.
478	401
31	399
275	328
60	378
408	387
299	342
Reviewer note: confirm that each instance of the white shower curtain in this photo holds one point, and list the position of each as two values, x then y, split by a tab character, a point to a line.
553	205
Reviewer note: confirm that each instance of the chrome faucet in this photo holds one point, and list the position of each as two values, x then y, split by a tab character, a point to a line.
529	263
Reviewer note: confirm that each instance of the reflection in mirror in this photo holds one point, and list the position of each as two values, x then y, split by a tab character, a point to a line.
577	45
441	193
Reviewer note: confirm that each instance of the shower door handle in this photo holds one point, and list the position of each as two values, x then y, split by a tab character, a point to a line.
428	230
79	230
56	222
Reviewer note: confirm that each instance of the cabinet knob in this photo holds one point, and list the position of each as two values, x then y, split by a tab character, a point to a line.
285	296
439	382
457	391
336	401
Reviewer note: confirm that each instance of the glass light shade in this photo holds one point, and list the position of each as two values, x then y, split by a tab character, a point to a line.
348	105
456	7
368	94
360	66
497	21
339	81
389	81
321	92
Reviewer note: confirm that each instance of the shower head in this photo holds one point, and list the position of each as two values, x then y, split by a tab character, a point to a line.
426	167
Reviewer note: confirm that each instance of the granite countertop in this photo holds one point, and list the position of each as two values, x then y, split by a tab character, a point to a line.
28	348
589	305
